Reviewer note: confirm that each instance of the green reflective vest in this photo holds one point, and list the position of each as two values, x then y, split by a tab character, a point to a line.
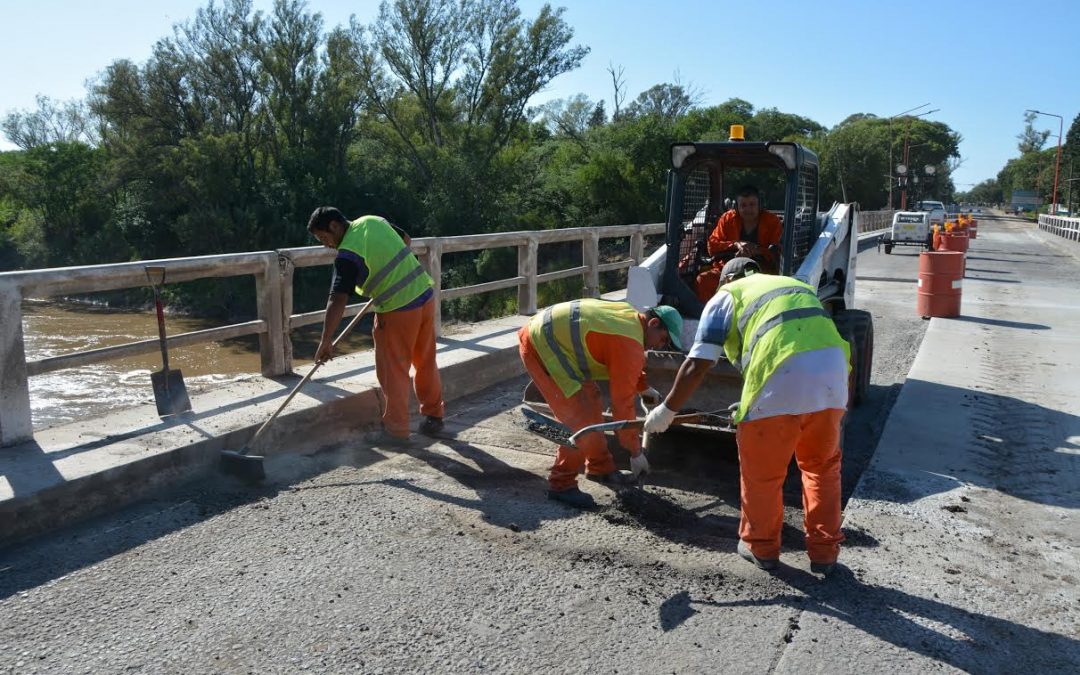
559	333
775	318
395	277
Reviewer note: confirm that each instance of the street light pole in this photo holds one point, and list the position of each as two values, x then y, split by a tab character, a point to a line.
907	130
891	144
1057	164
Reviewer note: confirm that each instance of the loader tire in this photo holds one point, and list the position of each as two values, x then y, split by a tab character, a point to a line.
857	327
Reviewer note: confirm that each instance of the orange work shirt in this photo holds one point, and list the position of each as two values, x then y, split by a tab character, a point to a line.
729	229
625	361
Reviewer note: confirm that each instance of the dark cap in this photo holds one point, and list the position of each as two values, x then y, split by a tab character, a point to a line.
739	267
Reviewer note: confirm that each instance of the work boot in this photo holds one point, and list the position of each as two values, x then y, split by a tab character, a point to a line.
746	554
614	478
824	569
382	437
431	425
573	497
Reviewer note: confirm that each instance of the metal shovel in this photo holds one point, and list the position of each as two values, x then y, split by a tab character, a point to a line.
170	394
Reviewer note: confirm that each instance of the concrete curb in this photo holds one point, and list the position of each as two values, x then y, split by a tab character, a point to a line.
73	472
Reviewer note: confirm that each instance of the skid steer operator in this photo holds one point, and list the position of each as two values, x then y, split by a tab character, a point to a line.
566	349
795	391
745	231
375	259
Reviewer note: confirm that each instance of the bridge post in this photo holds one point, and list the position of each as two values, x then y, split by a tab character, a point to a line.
288	272
15	420
268	290
590	258
637	247
433	264
527	268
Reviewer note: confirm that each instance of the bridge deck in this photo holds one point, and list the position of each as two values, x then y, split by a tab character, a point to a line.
962	550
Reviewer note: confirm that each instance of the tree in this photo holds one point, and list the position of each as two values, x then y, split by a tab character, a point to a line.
670	101
770	124
447	84
51	123
1029	139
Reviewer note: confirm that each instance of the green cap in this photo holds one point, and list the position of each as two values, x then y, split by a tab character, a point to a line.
673	323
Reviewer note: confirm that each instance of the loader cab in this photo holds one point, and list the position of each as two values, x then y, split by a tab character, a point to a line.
703	175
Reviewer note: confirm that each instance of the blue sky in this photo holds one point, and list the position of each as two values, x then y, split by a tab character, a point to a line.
980	63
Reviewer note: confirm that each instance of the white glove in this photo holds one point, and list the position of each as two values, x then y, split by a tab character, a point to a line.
659	419
650	397
639	464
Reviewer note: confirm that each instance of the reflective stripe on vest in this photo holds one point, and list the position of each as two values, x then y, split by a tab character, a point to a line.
560	335
760	302
375	279
788	315
396	277
400	284
548	329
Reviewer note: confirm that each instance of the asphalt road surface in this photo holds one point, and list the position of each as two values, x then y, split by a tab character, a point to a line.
444	558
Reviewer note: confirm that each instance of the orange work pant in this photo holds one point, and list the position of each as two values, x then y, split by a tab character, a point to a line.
578	411
403	339
765	450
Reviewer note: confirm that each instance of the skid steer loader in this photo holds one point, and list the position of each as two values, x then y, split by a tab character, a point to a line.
817	248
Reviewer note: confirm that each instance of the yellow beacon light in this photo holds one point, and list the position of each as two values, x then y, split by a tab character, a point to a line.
737	133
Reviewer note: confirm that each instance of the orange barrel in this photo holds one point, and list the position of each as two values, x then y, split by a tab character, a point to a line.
973	229
941	276
954	241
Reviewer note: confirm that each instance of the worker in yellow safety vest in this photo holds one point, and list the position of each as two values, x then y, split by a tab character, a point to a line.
794	364
375	260
566	349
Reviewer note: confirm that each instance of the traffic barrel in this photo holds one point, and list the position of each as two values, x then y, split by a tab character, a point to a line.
941	278
954	241
973	229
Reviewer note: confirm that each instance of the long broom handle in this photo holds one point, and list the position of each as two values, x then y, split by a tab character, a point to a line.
296	389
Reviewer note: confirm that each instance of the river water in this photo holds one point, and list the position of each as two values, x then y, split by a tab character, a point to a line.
52	328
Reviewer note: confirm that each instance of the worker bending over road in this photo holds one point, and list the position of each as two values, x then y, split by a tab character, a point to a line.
374	259
566	349
745	231
795	368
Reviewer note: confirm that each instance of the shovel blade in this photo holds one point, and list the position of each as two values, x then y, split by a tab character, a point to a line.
170	394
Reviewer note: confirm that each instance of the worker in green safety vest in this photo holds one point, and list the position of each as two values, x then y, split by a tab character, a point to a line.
374	260
795	365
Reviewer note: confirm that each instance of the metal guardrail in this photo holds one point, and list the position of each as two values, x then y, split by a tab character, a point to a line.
1068	228
874	221
273	272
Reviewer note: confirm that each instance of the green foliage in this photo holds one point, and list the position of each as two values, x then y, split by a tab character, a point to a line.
242	121
986	192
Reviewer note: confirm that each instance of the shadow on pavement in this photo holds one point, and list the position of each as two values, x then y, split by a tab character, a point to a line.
497	485
1001	322
966	640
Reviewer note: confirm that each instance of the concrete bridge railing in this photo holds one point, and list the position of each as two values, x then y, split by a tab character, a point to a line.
273	272
1061	226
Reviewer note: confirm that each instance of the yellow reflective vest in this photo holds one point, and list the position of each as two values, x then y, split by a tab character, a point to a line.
775	317
395	277
559	334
